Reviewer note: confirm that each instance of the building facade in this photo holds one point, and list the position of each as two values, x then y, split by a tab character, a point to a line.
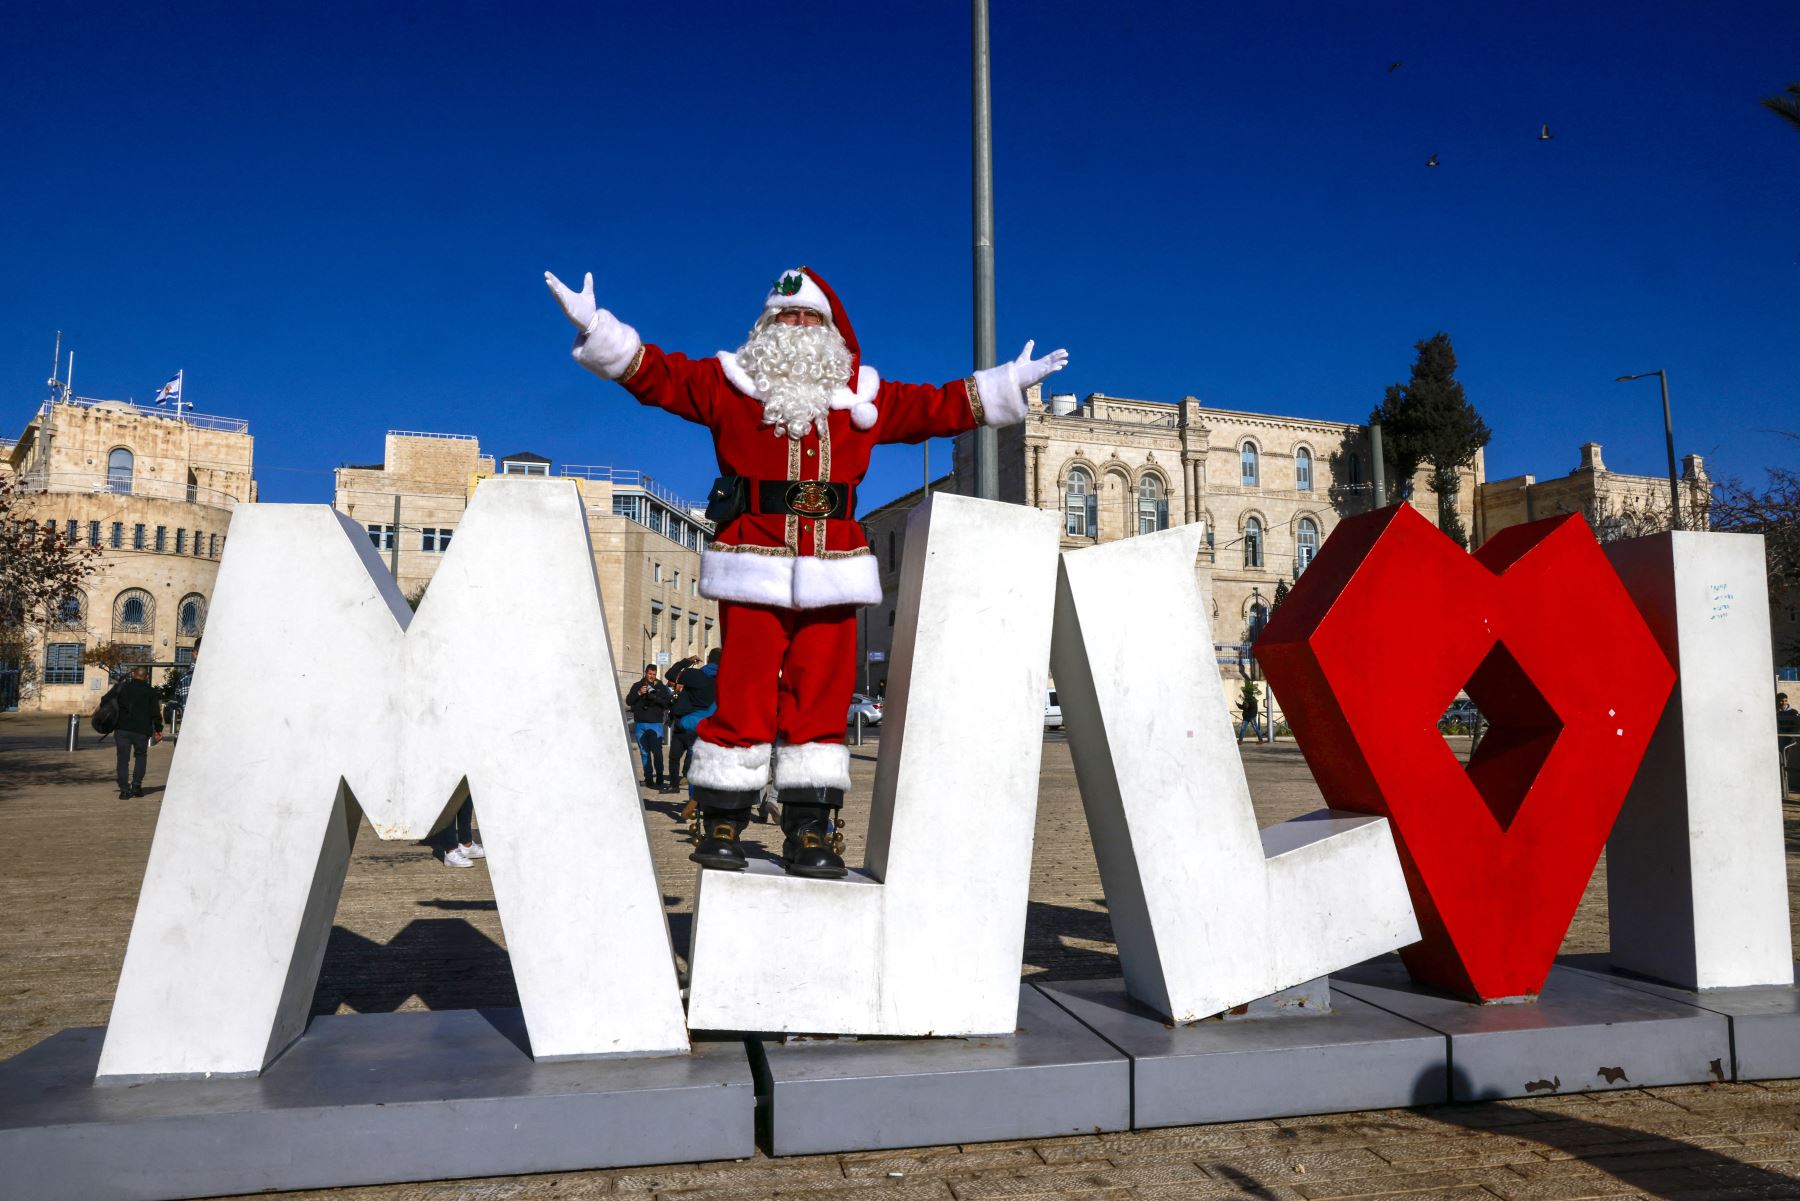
646	541
1615	505
1269	490
153	491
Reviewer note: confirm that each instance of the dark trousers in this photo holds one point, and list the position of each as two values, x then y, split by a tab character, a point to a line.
681	749
128	741
465	822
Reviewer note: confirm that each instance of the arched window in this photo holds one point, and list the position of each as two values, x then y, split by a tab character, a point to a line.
134	612
1303	469
118	470
67	612
1257	617
1081	505
190	619
1253	542
1307	540
1251	474
1153	506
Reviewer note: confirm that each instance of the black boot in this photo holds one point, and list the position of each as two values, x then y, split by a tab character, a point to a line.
806	815
723	816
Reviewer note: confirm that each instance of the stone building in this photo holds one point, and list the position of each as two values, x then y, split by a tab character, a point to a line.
1616	505
1270	489
153	490
647	542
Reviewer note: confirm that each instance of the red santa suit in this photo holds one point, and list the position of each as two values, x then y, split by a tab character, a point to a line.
790	573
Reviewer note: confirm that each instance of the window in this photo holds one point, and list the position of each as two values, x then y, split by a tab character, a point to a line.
184	656
62	663
1353	469
1249	457
118	470
118	534
191	617
212	541
70	531
1253	542
193	487
677	581
655	617
181	542
1259	617
382	536
435	539
891	557
93	533
134	612
1081	505
137	536
628	506
199	544
1153	506
162	538
693	587
1308	545
522	467
656	572
1303	469
67	613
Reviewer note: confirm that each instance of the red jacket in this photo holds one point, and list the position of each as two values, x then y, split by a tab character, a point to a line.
789	561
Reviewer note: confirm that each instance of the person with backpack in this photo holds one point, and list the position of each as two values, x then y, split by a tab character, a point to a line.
137	725
694	703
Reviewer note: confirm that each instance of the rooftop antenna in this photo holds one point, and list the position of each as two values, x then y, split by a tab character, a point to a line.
55	361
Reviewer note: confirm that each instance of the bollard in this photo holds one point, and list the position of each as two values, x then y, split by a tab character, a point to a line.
74	731
859	720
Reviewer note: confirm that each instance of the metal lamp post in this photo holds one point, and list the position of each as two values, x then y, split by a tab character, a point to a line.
1669	440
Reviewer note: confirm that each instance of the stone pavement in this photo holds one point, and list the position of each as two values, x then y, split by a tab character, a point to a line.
413	934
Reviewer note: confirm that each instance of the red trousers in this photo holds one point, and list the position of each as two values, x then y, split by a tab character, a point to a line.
785	675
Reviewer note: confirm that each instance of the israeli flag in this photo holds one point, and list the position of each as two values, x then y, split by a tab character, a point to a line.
170	393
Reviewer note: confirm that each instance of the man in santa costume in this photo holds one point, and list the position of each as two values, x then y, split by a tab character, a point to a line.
795	415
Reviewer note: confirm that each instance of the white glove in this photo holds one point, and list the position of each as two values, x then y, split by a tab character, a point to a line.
1027	371
578	307
1002	388
605	345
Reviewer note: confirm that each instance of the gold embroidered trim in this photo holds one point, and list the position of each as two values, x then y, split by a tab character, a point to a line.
791	527
738	549
824	474
975	408
637	360
843	554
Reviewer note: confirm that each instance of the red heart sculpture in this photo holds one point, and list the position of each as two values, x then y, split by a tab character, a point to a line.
1387	624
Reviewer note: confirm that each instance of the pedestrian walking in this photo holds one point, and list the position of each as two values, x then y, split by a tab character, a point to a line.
1787	737
465	851
649	701
1247	706
139	725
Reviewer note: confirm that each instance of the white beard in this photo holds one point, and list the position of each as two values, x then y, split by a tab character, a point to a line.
795	369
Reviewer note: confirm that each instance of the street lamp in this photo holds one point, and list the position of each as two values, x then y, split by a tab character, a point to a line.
1669	439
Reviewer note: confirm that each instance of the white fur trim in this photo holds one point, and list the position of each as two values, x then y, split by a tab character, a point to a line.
868	386
812	765
810	296
1002	400
789	581
607	347
729	768
747	577
821	583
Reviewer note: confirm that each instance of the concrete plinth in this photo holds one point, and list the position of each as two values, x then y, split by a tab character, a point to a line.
363	1099
1582	1034
1053	1077
1765	1019
1354	1057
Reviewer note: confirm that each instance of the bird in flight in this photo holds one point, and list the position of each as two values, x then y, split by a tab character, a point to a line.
1432	161
1544	134
1393	66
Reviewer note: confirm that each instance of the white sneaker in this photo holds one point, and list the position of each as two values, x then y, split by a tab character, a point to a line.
474	851
457	857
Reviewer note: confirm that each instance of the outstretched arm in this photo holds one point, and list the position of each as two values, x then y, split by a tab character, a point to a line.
612	350
993	396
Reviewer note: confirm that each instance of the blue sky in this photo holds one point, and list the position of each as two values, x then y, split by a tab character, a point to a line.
335	216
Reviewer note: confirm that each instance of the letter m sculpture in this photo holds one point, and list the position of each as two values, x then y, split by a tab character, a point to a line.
322	697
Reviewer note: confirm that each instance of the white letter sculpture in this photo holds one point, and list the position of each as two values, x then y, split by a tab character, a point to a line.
1696	881
927	939
321	696
1208	913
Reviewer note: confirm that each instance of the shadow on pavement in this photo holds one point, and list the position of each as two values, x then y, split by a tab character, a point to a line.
444	961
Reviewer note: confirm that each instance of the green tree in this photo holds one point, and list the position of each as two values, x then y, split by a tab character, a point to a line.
1428	419
1281	594
1786	105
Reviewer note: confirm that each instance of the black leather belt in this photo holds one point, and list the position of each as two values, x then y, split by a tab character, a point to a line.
805	498
733	495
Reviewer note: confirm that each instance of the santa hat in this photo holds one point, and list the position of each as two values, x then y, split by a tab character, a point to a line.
804	288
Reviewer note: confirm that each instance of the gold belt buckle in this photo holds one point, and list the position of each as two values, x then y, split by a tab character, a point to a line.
811	498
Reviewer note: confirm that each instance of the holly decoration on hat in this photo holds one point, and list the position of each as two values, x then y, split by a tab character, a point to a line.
788	284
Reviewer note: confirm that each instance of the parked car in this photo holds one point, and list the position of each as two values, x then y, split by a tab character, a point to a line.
1460	718
1053	718
868	706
